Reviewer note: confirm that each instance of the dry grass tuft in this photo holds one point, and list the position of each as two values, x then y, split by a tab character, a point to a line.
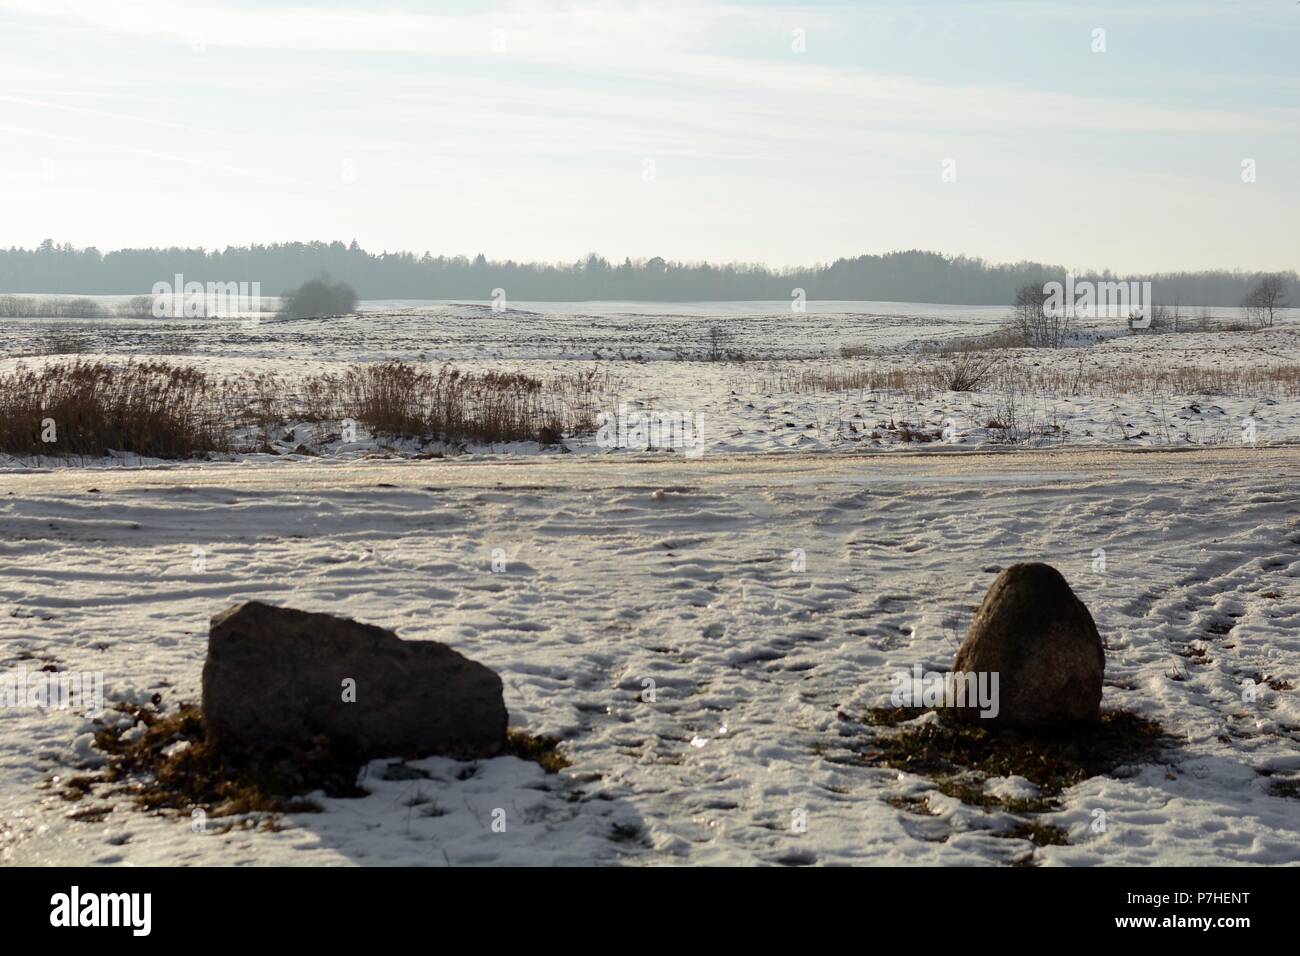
540	750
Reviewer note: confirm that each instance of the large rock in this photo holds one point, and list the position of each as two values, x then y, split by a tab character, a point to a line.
1038	637
276	677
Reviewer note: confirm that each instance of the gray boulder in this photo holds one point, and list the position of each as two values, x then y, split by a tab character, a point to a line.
1038	637
277	677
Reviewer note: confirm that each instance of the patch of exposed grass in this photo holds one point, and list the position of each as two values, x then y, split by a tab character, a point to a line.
90	814
74	788
959	757
540	750
1039	834
957	753
171	766
890	716
1052	761
626	833
1285	788
970	791
919	806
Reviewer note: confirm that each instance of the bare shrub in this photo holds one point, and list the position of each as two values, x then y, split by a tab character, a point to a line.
717	343
317	398
402	400
393	398
967	372
1163	319
318	297
1004	424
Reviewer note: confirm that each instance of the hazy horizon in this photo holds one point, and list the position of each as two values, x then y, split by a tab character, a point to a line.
757	132
1095	269
906	276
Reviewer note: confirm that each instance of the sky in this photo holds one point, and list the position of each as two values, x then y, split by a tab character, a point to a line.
1134	136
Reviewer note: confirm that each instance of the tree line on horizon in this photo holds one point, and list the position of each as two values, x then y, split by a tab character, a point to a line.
904	276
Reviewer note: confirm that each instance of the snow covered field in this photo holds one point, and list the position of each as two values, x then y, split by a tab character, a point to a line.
650	359
607	585
769	588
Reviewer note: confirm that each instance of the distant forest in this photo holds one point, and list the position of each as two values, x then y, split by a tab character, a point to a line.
911	276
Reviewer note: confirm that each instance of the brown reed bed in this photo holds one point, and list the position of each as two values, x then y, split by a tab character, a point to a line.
163	409
90	408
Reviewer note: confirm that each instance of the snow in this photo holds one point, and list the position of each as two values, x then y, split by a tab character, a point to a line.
767	589
651	361
606	587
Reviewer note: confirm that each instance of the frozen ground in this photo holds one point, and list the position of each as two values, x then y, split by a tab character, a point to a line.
607	584
649	357
531	330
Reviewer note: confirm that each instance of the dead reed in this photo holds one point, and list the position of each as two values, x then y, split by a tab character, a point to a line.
91	408
168	410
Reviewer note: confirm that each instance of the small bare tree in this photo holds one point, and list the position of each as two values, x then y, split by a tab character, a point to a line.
1036	324
1269	297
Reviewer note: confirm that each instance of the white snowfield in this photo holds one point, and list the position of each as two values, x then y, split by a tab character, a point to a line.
764	596
650	357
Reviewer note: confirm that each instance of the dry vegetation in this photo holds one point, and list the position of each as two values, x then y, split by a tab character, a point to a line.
167	410
397	399
960	758
91	408
977	371
171	767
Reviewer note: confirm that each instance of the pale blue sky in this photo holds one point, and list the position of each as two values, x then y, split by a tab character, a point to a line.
523	129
